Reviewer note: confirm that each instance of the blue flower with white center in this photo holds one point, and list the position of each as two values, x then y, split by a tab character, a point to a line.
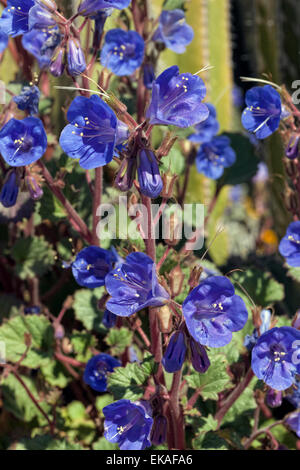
91	266
14	19
174	356
150	181
263	113
275	357
28	99
123	51
176	99
173	31
212	311
42	44
289	247
93	132
134	286
92	7
75	58
293	422
10	190
23	142
41	15
214	156
251	340
95	373
207	129
128	424
3	40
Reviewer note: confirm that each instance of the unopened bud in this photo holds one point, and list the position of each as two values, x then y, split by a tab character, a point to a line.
296	320
199	356
34	189
57	65
292	150
126	173
274	398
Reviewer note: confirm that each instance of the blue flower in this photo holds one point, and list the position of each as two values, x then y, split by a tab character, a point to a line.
14	19
174	356
28	99
75	58
128	424
173	31
123	51
41	44
57	65
133	286
92	7
95	373
293	422
199	357
294	396
3	40
263	113
274	398
212	312
274	357
176	99
93	133
41	15
23	142
214	156
150	181
251	340
109	319
292	150
289	247
10	190
207	129
91	266
148	75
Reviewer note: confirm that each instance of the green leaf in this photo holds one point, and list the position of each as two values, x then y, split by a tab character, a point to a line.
294	273
126	382
47	443
245	166
173	4
16	400
213	381
82	343
118	339
260	285
33	257
210	441
55	374
174	161
103	444
41	332
86	308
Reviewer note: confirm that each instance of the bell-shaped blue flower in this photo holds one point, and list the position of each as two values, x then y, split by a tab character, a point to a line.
42	44
214	156
212	311
95	373
199	357
128	424
92	133
207	129
263	113
150	181
41	15
173	31
275	357
174	356
176	99
92	7
10	190
91	266
23	142
28	99
75	58
133	286
289	247
123	51
14	19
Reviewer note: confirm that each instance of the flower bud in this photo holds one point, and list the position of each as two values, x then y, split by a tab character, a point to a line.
296	320
148	174
34	310
274	398
34	189
159	430
75	56
199	356
126	173
292	149
109	319
59	332
57	65
10	190
174	356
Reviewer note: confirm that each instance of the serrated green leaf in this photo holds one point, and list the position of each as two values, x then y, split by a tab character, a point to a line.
103	444
294	273
86	308
82	341
33	256
118	339
55	374
210	441
47	443
42	340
